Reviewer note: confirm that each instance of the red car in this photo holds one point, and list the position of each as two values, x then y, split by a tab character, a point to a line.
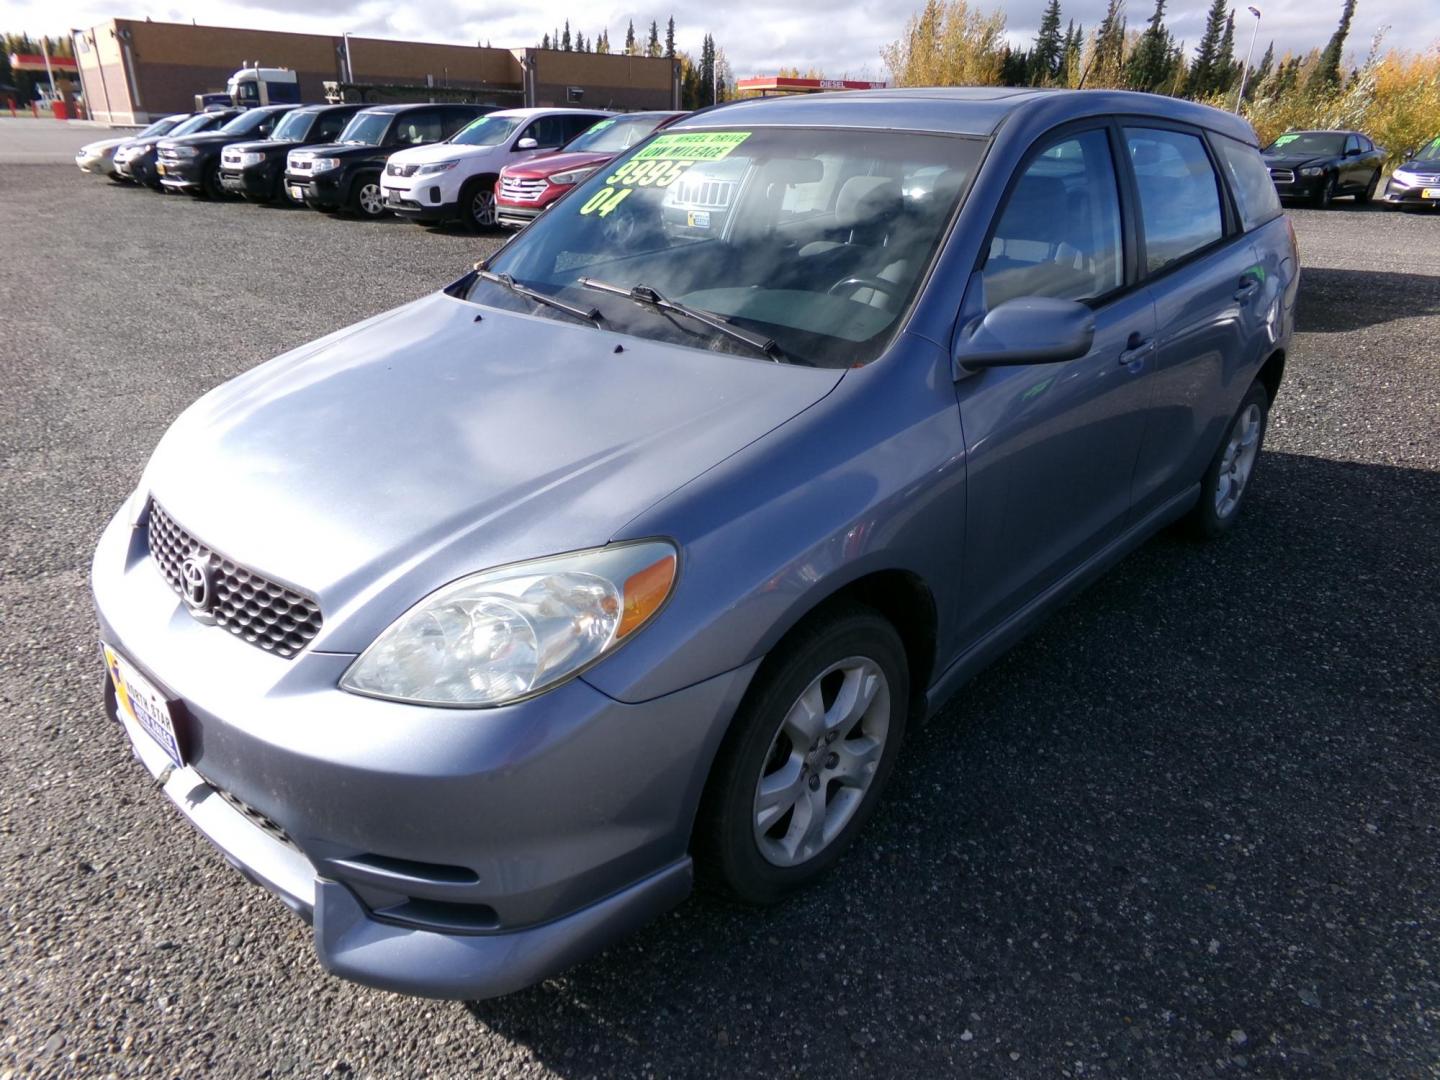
526	189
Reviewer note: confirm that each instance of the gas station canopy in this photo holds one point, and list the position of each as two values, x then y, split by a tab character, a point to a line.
782	84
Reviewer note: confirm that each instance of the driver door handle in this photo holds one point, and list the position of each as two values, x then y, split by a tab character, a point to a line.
1136	349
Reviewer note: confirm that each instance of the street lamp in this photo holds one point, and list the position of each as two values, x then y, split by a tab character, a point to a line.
1245	72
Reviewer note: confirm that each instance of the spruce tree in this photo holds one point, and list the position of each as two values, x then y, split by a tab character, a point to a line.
602	43
630	39
1046	56
1149	67
1261	72
545	42
1110	44
652	47
1225	67
1326	75
670	38
565	37
1204	71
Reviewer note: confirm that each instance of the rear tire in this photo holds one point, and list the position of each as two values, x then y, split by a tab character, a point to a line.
1365	196
365	197
806	758
1232	470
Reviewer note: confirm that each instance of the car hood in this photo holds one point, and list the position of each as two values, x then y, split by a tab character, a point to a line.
374	465
103	144
1283	161
1425	166
201	138
268	146
425	155
346	150
556	163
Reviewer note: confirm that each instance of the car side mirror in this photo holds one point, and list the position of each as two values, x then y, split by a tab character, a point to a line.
527	143
1027	330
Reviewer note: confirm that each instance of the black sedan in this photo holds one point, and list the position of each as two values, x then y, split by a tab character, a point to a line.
192	162
256	170
1416	182
1322	165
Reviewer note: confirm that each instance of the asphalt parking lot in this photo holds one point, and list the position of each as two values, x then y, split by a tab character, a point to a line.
1188	829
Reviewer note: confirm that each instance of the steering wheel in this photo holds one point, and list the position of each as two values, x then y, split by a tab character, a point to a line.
889	288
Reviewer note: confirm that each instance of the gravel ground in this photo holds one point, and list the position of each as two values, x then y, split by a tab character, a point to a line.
1188	829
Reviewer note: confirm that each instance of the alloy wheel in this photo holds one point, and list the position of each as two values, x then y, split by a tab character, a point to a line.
482	208
369	200
822	761
1238	461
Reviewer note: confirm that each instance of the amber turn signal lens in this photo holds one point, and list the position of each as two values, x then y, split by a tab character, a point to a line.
645	591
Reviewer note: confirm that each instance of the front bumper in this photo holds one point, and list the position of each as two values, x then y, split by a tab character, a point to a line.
1302	187
99	164
140	168
179	174
517	217
255	182
1413	195
421	198
440	852
322	191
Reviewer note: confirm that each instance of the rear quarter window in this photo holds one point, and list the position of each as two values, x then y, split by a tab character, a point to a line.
1249	180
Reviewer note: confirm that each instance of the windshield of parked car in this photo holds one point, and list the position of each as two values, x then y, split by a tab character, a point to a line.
247	122
198	122
1430	152
293	126
161	127
1308	144
612	136
487	131
817	239
366	128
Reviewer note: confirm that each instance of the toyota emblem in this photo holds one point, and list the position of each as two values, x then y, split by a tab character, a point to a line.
195	584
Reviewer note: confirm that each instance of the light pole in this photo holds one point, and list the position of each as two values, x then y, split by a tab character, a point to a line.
1245	72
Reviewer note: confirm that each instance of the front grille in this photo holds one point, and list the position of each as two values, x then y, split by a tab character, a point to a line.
299	164
1426	179
1282	176
252	607
230	157
514	189
256	818
394	169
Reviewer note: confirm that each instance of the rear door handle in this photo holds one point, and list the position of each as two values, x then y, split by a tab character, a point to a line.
1248	284
1136	350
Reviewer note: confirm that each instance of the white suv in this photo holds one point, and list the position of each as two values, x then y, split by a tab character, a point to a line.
456	178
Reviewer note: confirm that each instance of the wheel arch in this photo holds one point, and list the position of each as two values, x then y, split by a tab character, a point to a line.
1271	373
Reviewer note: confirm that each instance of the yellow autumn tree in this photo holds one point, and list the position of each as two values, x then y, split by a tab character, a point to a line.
949	43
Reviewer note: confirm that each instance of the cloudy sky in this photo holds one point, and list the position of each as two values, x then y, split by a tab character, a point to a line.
840	37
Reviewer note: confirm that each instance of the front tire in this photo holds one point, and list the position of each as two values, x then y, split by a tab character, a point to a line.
806	758
1326	197
1226	481
210	182
477	205
366	199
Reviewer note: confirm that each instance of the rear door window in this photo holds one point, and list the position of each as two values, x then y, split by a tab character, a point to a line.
1249	181
418	128
1179	194
548	132
1059	234
328	127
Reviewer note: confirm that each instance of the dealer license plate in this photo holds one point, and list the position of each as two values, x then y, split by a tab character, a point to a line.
143	703
1430	193
297	193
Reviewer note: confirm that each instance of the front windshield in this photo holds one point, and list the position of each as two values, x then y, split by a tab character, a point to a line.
817	239
161	127
246	122
613	136
487	131
366	129
1308	144
1430	152
293	126
196	123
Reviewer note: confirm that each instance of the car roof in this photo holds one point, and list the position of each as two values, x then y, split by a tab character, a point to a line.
957	110
1323	131
406	106
552	112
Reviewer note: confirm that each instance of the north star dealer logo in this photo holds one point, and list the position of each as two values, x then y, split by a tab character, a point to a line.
196	586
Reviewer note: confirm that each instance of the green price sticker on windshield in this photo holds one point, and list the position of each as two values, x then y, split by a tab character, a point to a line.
660	163
1283	139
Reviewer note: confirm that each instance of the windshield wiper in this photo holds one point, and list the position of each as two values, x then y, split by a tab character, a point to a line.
643	294
590	315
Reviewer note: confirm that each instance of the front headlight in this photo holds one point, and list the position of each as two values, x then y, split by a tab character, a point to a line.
1312	170
512	632
574	176
251	157
184	151
323	164
434	167
1400	176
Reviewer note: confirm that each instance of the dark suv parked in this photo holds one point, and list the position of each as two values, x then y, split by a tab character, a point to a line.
136	159
1321	165
345	174
256	170
191	163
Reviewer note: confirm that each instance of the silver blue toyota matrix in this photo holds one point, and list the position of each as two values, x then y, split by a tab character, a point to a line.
477	630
